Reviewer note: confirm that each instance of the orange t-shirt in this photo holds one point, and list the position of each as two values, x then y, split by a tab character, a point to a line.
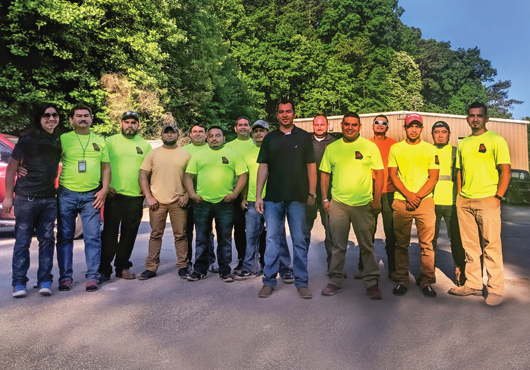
384	149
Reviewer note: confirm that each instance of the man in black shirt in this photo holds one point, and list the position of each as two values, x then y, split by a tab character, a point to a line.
287	162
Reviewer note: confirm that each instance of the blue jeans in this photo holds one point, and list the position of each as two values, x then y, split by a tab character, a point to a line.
40	214
204	214
275	213
255	224
70	204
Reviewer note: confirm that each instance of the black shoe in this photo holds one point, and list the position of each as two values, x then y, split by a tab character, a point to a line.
239	267
183	272
195	276
147	274
189	268
244	275
428	292
226	277
102	278
400	289
288	278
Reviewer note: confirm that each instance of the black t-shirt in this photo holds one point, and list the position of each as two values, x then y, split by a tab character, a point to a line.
40	153
287	156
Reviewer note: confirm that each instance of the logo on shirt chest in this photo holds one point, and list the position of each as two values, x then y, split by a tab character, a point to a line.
482	148
138	150
225	160
96	147
436	160
358	155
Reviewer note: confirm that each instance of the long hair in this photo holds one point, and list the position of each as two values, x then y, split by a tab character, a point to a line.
37	115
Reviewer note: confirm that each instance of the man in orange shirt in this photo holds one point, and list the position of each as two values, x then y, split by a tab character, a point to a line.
380	127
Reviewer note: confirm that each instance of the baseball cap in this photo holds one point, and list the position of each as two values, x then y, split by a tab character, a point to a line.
260	123
410	118
173	127
440	124
130	114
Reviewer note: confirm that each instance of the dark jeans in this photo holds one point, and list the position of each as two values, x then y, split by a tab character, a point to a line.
311	215
189	234
31	214
205	213
388	225
240	236
123	215
448	213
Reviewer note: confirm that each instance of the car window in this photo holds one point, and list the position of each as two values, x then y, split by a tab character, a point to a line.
520	175
5	153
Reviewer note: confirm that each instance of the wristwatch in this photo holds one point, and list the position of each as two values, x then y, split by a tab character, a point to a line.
314	196
498	197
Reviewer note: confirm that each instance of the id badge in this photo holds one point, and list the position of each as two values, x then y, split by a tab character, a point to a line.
81	166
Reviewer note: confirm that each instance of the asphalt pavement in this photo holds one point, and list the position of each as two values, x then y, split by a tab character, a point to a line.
170	323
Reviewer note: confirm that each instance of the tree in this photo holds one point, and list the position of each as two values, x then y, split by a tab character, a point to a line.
498	103
404	83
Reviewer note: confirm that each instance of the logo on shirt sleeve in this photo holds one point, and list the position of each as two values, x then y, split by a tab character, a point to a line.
358	155
225	160
436	160
96	147
482	148
138	150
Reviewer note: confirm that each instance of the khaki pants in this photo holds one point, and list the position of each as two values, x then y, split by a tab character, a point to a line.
425	218
480	224
363	222
157	219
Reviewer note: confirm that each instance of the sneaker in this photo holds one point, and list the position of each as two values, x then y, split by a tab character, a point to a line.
239	266
359	274
226	277
429	292
20	291
373	292
147	274
265	291
288	278
126	274
102	278
330	290
189	268
91	286
305	293
183	273
65	285
244	275
45	288
493	299
464	291
392	277
195	276
213	269
400	290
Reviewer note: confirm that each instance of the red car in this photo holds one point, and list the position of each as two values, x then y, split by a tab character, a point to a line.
7	144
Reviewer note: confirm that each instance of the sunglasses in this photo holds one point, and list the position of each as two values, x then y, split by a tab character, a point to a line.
48	115
384	123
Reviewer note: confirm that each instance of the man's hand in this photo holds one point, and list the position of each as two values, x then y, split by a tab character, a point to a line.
21	172
196	198
7	204
498	202
310	201
376	207
413	199
152	203
260	207
112	192
244	205
409	207
100	199
230	198
183	200
326	206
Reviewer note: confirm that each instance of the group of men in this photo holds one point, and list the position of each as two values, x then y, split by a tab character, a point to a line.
252	184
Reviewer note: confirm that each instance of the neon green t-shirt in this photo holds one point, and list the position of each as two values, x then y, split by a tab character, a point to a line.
192	149
351	165
251	157
126	157
413	163
445	187
90	148
241	146
216	172
478	158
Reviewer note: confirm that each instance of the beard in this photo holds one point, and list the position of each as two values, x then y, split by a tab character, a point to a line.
129	135
169	143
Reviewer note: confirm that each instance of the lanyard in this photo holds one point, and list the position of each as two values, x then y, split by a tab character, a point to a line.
86	146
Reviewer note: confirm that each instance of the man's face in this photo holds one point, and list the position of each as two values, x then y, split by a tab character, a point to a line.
198	135
413	131
320	127
379	126
242	127
258	134
81	119
351	128
441	136
170	137
215	138
129	128
285	114
476	119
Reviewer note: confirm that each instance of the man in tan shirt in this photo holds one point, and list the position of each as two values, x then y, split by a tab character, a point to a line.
165	193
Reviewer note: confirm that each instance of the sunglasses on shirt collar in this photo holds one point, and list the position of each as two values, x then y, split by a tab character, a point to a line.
384	123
